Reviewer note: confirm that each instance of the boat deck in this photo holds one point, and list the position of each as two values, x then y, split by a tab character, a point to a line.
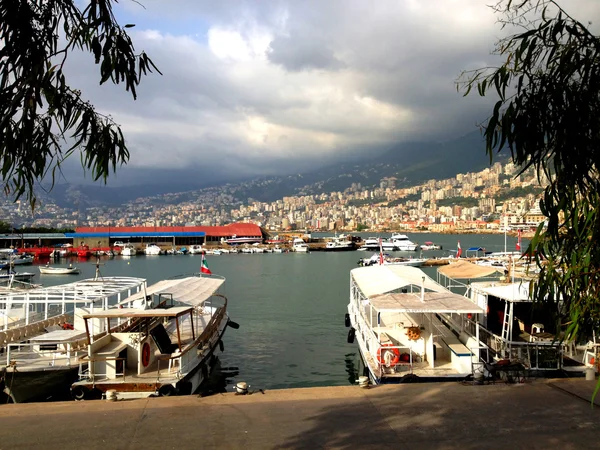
161	370
443	369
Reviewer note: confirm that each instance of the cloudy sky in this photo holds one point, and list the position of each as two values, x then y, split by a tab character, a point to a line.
274	87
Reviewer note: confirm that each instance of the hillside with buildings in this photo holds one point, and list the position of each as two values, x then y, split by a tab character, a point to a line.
483	200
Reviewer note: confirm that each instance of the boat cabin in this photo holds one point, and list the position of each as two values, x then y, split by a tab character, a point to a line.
142	343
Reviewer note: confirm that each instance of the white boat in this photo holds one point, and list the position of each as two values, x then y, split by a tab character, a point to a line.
8	275
165	348
195	249
338	244
376	259
43	335
430	246
402	243
128	250
235	240
371	243
396	315
511	328
152	249
16	260
277	249
53	270
298	245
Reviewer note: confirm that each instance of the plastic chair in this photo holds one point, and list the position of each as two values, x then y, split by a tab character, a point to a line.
537	328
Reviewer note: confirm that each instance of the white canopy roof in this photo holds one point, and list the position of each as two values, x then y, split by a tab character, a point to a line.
138	313
512	292
376	280
190	290
463	269
432	302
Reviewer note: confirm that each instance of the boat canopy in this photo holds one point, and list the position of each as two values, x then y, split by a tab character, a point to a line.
191	291
427	302
377	280
462	269
88	290
511	292
132	313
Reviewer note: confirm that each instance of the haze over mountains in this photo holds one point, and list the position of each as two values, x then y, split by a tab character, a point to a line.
409	162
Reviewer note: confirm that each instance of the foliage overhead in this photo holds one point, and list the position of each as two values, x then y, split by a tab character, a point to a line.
549	102
42	119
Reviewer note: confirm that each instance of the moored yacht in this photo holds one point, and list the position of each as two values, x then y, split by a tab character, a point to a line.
298	245
152	249
371	243
338	244
402	243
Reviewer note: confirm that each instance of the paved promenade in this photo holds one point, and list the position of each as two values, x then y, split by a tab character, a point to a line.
536	415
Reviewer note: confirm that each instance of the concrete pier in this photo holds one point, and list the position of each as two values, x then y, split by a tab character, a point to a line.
534	415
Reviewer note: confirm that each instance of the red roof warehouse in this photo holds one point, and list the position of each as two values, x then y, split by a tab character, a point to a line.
178	235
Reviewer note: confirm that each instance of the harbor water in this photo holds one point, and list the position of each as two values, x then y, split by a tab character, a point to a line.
290	306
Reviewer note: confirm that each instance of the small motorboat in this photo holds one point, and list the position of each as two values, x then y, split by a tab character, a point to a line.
52	270
430	246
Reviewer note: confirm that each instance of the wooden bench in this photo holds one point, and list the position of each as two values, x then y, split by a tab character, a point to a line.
111	350
105	359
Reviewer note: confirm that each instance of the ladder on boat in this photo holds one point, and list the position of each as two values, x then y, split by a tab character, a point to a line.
507	329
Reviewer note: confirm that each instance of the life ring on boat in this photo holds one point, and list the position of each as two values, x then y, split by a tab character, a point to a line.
385	348
67	326
145	354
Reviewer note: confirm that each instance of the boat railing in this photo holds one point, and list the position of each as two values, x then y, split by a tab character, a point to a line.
374	343
45	354
536	355
36	327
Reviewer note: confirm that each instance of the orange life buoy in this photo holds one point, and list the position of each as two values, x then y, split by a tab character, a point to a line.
593	361
145	354
385	348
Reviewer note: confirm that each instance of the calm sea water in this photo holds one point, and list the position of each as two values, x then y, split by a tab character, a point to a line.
290	307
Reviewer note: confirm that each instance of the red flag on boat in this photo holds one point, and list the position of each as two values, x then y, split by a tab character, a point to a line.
458	250
204	266
381	258
518	240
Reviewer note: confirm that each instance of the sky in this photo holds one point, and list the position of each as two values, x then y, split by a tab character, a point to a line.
252	88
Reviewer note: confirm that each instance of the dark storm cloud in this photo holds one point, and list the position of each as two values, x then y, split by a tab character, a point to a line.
272	87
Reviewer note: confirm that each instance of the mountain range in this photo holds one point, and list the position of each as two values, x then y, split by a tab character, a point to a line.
410	162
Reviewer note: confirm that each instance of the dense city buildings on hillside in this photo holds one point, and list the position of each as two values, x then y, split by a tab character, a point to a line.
492	199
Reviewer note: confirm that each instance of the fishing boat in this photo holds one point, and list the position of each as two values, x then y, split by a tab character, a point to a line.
43	335
16	260
168	339
397	315
8	275
53	270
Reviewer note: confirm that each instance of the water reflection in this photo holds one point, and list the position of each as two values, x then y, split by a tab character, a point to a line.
218	380
352	361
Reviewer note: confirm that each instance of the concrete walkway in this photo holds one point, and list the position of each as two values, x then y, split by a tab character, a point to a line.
537	415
